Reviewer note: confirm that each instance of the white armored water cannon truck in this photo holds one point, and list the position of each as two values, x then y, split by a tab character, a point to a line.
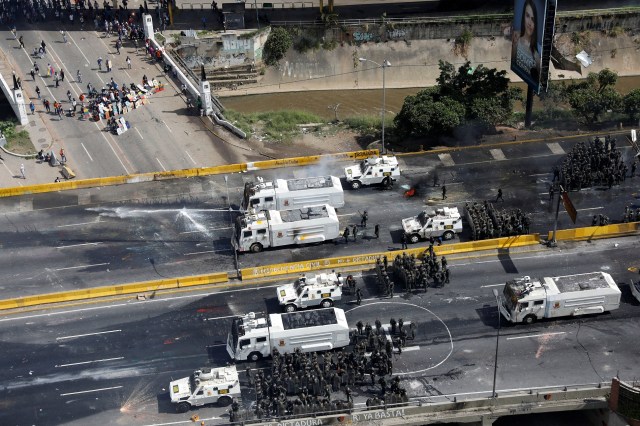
373	170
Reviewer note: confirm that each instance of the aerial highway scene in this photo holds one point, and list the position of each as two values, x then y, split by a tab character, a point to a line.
319	212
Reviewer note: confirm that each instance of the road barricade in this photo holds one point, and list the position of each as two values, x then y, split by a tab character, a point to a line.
186	173
370	258
97	292
596	232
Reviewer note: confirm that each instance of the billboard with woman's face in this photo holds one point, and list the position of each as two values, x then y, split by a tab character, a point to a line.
528	35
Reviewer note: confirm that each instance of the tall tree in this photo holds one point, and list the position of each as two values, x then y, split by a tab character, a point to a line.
631	102
591	98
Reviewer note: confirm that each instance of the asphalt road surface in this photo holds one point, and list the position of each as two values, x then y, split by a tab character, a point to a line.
164	135
137	232
111	363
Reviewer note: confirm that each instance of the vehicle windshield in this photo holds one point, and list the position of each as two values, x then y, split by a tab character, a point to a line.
510	298
423	218
299	286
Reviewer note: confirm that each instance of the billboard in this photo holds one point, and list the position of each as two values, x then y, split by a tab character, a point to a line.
531	40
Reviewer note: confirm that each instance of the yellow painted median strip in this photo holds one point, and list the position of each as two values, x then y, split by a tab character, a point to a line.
596	232
370	258
93	293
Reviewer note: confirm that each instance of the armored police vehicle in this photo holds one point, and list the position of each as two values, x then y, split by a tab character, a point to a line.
282	194
373	170
311	290
205	386
527	300
444	222
253	336
256	231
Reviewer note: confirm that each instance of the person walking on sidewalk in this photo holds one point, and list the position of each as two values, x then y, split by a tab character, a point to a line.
33	74
24	176
62	75
64	36
32	107
38	92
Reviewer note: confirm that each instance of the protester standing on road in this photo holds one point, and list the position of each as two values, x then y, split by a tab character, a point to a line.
499	197
36	69
128	60
21	40
404	241
62	74
376	231
38	92
79	77
44	47
64	36
444	192
22	171
99	63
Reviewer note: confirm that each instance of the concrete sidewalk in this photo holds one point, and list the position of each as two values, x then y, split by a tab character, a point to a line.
40	134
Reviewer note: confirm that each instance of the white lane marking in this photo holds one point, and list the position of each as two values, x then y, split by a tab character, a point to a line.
536	335
91	390
125	71
539	174
446	159
217	318
208	229
491	285
205	252
161	165
80	245
556	148
190	158
165	124
497	154
139	134
114	151
85	150
347	214
515	158
411	348
81	266
78	224
81	52
87	334
89	362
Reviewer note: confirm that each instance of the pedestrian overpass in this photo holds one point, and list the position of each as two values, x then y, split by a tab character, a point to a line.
11	91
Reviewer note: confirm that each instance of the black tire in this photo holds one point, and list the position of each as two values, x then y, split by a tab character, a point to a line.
356	184
326	303
448	235
254	357
183	407
224	401
414	238
386	182
256	248
529	319
290	308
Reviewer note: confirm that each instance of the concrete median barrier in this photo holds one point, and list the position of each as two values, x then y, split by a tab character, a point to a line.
117	290
596	232
370	258
184	173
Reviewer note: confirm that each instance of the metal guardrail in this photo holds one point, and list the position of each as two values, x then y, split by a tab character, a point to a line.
251	5
458	18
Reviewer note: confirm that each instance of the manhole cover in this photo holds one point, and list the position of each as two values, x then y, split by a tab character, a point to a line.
42	129
42	140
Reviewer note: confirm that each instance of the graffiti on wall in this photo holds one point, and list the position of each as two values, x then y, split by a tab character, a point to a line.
362	37
398	33
298	70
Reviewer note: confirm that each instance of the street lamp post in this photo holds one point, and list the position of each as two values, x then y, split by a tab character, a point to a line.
495	363
384	65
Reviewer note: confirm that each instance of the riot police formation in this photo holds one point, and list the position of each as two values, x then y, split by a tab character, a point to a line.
630	216
412	273
306	383
596	163
488	222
